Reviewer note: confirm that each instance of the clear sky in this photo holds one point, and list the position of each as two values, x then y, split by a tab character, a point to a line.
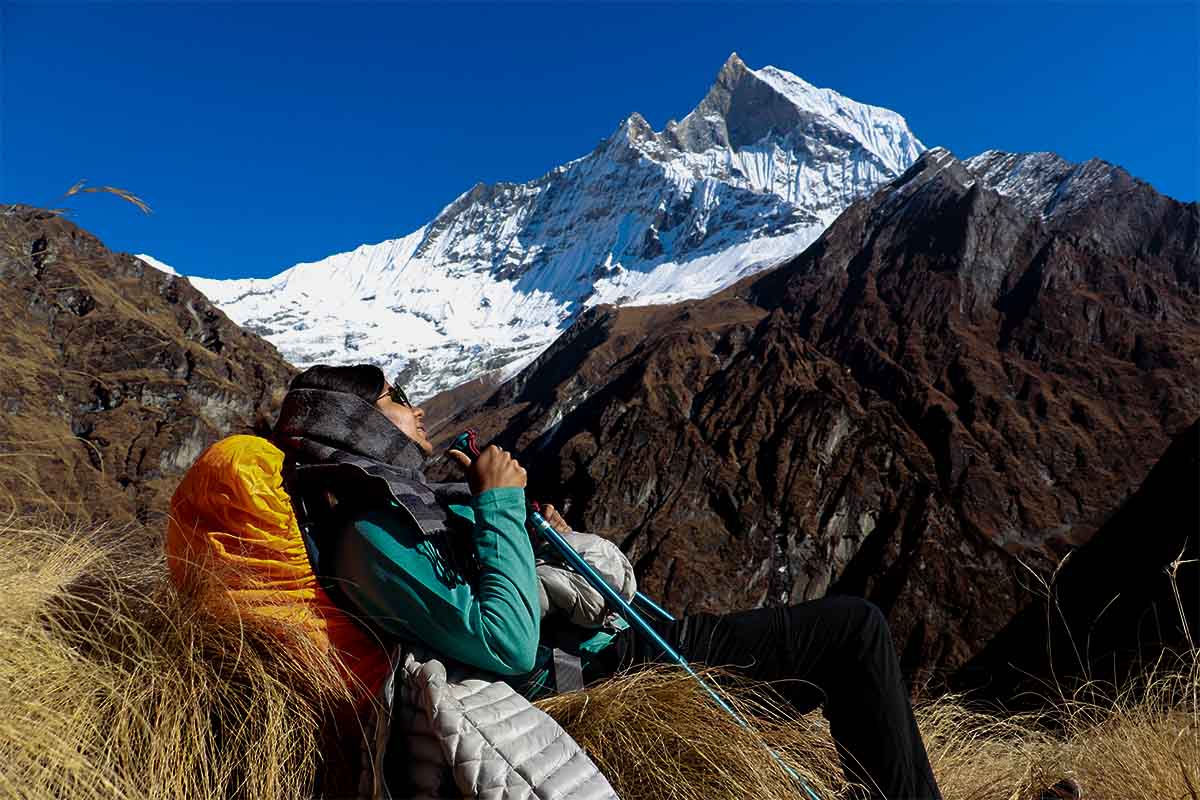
267	134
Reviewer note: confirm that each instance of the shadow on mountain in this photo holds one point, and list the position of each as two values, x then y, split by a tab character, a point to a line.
1112	609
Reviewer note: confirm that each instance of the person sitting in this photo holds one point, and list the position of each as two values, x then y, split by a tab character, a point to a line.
450	567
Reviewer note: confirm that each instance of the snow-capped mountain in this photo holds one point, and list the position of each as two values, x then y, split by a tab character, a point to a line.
750	177
1044	184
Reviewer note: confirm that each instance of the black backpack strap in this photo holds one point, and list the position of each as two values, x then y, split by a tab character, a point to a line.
318	520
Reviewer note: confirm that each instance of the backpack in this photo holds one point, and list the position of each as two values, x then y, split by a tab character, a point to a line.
233	536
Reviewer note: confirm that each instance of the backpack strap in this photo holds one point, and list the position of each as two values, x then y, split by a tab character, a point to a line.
568	672
317	517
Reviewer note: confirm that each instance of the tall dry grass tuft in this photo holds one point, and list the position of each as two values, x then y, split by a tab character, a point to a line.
656	734
113	685
1138	742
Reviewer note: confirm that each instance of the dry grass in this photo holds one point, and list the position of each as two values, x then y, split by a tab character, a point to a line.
124	194
655	734
1141	744
112	685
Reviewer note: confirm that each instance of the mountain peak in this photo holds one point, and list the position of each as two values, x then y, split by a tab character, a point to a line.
744	106
1046	184
746	180
936	163
732	67
633	130
635	122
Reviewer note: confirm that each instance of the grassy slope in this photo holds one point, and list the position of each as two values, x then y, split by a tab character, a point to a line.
112	685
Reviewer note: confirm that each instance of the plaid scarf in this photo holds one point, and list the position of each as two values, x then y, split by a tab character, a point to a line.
341	439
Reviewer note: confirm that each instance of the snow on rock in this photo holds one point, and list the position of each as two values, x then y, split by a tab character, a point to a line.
749	178
1043	184
154	262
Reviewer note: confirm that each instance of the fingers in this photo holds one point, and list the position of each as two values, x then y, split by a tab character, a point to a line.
522	475
496	468
502	456
491	452
459	457
556	521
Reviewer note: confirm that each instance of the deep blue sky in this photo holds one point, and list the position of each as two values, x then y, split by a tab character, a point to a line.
263	135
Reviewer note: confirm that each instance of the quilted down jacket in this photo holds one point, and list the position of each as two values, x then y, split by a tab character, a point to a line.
464	736
467	737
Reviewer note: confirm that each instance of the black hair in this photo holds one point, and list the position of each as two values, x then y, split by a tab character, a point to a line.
363	380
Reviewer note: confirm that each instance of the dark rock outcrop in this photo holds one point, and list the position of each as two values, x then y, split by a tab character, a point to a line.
113	376
1117	603
947	381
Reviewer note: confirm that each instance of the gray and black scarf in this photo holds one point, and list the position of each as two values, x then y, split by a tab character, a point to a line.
341	443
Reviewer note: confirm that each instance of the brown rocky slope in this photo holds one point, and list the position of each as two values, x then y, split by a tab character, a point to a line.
113	375
950	379
1118	603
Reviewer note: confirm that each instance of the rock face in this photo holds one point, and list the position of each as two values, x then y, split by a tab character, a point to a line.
746	180
951	378
115	375
1118	602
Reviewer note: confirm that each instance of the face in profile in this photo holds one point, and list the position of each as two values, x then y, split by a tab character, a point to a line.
394	405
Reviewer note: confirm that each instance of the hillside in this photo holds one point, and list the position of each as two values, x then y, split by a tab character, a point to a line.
1131	592
114	375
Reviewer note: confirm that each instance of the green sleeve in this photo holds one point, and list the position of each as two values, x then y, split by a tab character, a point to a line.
392	573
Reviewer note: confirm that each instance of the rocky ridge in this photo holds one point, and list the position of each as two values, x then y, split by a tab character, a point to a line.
951	379
115	375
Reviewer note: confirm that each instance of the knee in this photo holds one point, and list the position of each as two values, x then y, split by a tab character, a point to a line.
866	622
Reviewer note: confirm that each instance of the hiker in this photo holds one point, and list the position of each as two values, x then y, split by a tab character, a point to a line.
452	568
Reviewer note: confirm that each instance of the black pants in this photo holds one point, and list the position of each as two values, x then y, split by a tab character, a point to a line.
841	652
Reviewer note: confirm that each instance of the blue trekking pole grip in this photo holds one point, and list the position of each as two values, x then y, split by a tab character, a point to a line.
467	444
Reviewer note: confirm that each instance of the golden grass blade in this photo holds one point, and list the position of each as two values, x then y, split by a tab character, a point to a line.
75	188
124	194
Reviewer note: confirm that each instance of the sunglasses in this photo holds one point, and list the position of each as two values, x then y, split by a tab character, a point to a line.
397	394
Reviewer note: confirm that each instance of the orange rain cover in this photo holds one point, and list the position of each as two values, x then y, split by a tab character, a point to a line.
232	525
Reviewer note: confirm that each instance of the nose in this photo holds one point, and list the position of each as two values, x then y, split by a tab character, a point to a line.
418	411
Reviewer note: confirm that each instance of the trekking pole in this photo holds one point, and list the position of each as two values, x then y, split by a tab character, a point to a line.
653	607
465	443
635	619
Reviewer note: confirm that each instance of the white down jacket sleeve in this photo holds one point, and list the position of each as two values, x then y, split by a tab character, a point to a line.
494	743
562	589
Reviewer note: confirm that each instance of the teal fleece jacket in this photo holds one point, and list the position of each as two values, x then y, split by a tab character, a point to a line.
392	573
